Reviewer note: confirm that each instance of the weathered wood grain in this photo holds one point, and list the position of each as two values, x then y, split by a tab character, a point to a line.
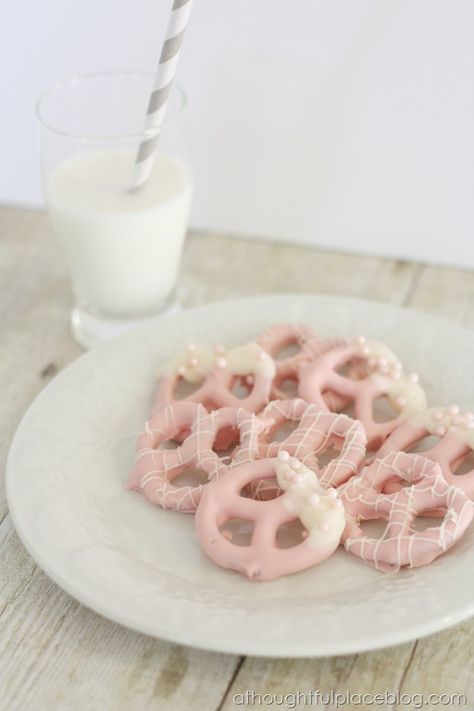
216	267
55	654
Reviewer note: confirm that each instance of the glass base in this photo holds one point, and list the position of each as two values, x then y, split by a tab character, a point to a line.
90	330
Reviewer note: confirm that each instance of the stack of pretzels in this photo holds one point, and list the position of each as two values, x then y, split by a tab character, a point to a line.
294	456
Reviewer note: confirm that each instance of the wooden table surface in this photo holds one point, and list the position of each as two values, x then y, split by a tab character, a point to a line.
56	654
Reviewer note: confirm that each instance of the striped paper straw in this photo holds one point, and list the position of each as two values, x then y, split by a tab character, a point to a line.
159	96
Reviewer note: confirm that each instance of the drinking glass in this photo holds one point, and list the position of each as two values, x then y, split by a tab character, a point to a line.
123	245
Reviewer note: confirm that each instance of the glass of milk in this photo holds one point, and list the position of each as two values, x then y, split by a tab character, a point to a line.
123	246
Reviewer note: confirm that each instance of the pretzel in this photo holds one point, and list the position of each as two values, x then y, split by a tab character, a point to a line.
315	432
383	378
156	467
281	336
320	512
455	433
401	545
215	369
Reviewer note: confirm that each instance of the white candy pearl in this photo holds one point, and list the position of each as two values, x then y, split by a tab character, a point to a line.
191	346
413	378
440	430
182	370
295	463
453	409
283	456
332	493
193	362
221	363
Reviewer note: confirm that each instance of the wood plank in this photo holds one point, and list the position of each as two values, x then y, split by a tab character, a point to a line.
371	672
219	267
446	292
443	664
56	654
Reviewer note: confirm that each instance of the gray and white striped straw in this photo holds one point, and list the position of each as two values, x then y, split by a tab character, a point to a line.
159	96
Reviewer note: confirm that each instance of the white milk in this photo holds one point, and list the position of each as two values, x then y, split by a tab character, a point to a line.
123	248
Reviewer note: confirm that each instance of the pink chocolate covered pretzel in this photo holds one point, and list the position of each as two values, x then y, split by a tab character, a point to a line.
215	369
401	545
156	467
382	378
283	335
319	511
314	434
455	441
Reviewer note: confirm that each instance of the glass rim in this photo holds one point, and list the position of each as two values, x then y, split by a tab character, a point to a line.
76	79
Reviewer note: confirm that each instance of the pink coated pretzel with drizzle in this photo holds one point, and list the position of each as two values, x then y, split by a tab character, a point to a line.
283	335
315	432
319	511
320	379
455	433
155	467
401	545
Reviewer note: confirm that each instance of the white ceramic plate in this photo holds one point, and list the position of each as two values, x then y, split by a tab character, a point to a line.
142	567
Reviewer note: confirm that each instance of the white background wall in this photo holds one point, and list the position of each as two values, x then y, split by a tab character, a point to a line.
346	123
